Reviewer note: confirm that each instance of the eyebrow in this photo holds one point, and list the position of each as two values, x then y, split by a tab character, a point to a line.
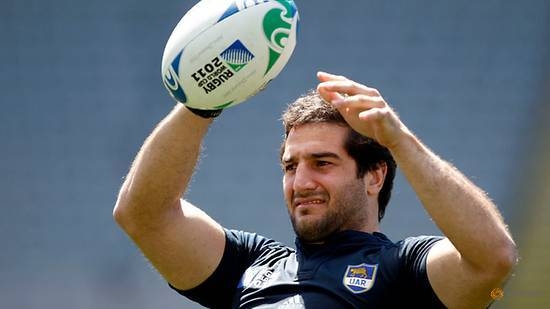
316	155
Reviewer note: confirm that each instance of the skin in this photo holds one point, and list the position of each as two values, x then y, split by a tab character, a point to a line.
322	193
186	245
479	253
183	243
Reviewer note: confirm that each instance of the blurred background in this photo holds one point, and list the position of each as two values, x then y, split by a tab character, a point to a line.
80	89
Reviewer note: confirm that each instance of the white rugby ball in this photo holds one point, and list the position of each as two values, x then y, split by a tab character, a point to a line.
225	51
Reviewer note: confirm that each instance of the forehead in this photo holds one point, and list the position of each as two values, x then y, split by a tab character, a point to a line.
315	137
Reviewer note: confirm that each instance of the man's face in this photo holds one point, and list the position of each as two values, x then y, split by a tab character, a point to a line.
321	188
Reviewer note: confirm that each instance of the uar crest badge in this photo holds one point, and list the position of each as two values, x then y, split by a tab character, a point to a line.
360	278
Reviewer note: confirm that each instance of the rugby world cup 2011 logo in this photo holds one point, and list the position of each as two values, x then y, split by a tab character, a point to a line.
237	56
360	278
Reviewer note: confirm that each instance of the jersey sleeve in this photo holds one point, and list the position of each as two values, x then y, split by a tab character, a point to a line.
241	250
413	254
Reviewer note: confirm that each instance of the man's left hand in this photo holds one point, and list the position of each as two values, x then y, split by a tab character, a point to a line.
363	108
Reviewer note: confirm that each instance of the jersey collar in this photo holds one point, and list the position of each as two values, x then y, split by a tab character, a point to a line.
343	240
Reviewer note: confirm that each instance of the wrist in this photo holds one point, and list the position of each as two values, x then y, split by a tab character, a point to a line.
405	145
205	113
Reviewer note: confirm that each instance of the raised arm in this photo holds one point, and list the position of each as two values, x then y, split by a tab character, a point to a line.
183	243
479	253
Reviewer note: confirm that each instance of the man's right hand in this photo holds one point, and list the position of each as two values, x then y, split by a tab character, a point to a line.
181	241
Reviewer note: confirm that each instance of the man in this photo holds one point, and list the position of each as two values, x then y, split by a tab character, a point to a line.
338	161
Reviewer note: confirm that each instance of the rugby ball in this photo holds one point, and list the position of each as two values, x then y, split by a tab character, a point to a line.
224	51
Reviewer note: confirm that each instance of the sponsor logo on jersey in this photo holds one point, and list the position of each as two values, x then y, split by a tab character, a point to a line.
256	277
359	278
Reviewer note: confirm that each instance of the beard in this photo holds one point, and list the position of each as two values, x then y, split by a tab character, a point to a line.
345	209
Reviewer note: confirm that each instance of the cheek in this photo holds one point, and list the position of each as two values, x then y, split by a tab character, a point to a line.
287	187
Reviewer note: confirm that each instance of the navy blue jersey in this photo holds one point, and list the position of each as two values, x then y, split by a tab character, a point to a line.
350	270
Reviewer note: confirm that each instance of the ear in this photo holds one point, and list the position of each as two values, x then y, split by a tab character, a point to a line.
374	180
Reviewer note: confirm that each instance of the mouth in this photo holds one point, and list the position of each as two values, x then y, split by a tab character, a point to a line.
308	202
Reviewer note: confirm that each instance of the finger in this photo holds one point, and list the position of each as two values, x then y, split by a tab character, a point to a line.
361	102
324	76
329	96
348	87
373	114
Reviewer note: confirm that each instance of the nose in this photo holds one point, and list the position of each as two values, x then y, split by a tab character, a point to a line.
303	179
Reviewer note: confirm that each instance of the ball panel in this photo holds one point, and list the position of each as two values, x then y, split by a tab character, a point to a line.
171	80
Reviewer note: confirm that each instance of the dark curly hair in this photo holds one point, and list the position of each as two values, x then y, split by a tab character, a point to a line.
367	153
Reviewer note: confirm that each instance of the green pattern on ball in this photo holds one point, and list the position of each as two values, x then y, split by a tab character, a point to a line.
277	24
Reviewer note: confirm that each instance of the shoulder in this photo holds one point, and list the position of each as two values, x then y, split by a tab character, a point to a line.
242	250
246	249
417	244
412	252
410	246
252	243
412	256
249	239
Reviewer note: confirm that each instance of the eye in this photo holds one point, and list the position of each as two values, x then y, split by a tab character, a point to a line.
289	167
321	163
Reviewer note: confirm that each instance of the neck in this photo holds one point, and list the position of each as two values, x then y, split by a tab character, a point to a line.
367	223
